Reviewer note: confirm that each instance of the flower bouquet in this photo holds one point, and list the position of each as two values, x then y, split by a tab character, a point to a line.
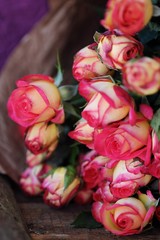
98	142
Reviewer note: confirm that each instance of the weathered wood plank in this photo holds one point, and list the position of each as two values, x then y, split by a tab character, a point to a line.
12	226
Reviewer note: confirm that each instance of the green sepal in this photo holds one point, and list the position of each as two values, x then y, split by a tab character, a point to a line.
97	36
86	220
155	123
59	77
69	176
70	109
68	91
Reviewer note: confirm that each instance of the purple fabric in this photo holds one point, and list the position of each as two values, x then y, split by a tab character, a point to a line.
17	17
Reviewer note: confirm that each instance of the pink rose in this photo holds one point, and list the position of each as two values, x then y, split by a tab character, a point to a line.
122	140
87	64
83	133
128	178
96	208
42	137
93	171
36	99
83	196
115	49
60	186
142	75
109	103
155	146
31	181
128	16
128	216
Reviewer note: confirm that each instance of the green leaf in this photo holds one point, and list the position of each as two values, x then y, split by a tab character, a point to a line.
69	176
59	77
154	26
155	123
68	91
86	220
147	34
70	109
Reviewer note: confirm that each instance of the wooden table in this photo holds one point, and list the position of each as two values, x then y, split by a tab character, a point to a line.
37	221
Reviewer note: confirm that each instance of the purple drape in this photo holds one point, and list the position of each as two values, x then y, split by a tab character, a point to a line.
17	17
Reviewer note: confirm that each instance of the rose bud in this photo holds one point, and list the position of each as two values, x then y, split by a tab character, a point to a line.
128	16
93	171
155	146
83	133
127	178
109	104
122	140
115	49
96	208
142	75
128	216
36	99
42	137
83	196
31	179
87	64
60	186
33	160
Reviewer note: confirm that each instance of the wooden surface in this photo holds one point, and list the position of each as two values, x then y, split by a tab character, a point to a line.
46	223
12	226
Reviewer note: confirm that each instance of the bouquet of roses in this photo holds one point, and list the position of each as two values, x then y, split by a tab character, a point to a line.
116	163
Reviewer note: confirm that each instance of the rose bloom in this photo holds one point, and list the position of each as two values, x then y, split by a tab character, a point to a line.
57	193
116	49
122	140
128	16
87	64
92	172
42	137
83	196
88	88
96	208
83	133
142	75
36	99
155	146
128	178
109	104
31	179
128	216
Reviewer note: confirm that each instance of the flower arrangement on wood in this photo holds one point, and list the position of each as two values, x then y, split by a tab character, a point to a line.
108	122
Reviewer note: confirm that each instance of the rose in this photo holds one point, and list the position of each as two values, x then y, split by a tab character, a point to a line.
115	49
60	186
103	193
142	75
155	146
122	140
83	133
128	178
36	99
42	137
128	16
92	171
128	216
87	64
31	179
88	88
109	103
84	196
96	207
